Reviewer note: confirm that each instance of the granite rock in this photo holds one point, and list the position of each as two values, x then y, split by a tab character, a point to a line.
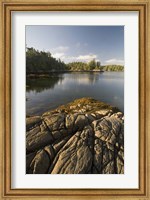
83	137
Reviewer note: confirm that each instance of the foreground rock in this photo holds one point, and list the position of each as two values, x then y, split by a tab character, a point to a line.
82	137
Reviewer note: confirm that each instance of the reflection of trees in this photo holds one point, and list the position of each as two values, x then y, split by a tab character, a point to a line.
93	78
40	84
86	78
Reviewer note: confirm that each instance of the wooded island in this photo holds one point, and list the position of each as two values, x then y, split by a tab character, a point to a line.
43	62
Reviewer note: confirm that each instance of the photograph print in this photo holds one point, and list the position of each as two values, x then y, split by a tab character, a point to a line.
74	99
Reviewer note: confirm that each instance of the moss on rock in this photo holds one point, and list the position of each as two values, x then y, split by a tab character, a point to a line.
84	105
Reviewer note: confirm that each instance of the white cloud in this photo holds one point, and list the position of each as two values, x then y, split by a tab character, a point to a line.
59	52
60	49
83	58
115	61
86	57
58	55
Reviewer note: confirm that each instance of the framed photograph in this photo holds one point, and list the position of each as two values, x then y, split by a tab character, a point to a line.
74	99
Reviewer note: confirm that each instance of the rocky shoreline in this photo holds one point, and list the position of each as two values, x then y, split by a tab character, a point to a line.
49	74
83	137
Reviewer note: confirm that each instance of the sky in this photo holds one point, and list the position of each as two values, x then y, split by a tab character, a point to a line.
79	43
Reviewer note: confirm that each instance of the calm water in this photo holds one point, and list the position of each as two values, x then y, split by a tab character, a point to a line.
49	93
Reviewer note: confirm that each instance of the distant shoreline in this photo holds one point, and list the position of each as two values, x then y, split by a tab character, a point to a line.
47	74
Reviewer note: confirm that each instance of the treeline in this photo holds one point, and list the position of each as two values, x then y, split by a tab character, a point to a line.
93	65
118	68
43	62
81	66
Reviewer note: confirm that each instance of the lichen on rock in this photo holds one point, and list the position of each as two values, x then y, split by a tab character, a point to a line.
83	137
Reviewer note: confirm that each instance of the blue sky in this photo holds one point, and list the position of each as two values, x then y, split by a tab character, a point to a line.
79	43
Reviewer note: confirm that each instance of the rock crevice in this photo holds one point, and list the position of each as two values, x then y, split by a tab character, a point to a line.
83	137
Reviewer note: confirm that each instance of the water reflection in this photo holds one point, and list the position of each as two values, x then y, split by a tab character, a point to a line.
49	93
82	78
40	84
